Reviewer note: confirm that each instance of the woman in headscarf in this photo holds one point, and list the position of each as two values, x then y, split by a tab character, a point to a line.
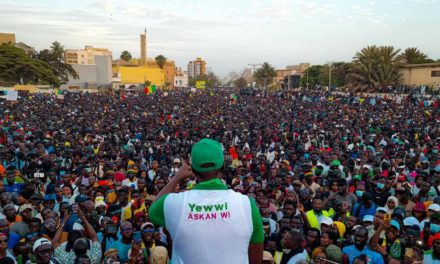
391	204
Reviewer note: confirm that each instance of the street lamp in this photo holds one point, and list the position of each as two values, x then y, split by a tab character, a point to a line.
329	76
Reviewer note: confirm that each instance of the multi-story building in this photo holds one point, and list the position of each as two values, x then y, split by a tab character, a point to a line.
289	78
85	56
196	67
180	78
7	38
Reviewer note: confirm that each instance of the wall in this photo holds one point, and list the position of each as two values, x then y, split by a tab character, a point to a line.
420	74
104	70
181	80
7	38
87	75
170	70
138	74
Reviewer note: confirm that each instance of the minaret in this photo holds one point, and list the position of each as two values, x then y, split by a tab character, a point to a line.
144	48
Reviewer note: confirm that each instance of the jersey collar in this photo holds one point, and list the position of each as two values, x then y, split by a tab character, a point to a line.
214	184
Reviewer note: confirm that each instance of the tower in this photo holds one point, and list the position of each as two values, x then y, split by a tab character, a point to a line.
144	48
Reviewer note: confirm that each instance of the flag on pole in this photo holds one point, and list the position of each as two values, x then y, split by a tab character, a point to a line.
150	89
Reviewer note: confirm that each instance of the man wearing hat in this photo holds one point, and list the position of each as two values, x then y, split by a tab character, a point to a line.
43	251
22	228
213	224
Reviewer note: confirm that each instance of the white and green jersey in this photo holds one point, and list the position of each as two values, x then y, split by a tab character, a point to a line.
209	224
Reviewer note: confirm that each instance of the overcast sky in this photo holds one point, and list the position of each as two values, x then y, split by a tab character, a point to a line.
228	34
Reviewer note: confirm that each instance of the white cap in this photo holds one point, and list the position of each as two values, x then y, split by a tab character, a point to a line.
410	221
176	160
40	242
434	207
147	224
325	220
100	203
368	218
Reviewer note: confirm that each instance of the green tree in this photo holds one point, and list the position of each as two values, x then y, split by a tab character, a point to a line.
210	79
414	56
265	74
340	71
315	76
125	55
373	67
240	82
55	58
17	67
160	60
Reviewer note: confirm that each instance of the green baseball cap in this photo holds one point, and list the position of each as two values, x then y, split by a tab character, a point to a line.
207	155
357	177
336	163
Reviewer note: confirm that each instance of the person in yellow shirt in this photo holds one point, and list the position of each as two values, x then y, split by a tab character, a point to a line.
137	205
314	214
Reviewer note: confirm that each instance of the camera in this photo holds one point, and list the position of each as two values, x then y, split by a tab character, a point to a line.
111	229
38	175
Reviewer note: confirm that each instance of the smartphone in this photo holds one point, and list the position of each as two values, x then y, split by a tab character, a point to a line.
387	217
111	229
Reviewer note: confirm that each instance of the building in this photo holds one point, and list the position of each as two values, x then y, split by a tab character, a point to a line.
138	71
421	74
300	68
85	56
7	38
180	78
196	67
247	75
92	76
288	78
126	74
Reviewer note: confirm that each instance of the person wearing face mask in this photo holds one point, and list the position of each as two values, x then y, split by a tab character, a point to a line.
380	195
365	207
360	248
265	216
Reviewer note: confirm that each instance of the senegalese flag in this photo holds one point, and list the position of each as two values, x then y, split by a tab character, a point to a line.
59	91
150	89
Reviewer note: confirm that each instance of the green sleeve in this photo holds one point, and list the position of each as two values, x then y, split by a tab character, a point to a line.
157	212
258	233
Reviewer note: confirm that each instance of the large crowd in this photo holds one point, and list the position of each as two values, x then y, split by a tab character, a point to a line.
338	178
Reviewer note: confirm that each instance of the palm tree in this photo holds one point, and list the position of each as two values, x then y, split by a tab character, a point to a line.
374	66
413	56
264	75
161	60
125	55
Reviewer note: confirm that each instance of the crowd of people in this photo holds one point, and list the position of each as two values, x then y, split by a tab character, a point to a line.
337	178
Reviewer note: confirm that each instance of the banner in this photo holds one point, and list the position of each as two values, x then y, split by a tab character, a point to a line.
200	84
12	96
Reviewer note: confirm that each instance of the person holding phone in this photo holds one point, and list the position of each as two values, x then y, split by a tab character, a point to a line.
216	225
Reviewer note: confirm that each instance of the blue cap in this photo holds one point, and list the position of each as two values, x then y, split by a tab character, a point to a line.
382	209
395	224
410	221
368	218
48	197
